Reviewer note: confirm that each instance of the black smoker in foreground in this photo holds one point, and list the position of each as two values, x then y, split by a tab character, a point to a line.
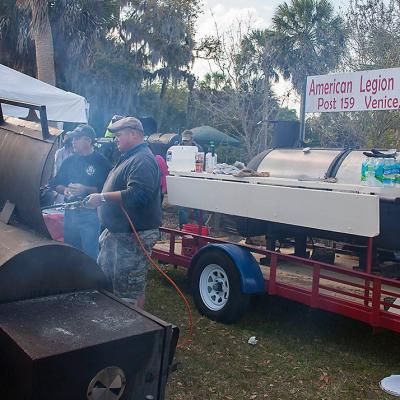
62	335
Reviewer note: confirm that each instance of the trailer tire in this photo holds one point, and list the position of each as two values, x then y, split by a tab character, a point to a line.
216	288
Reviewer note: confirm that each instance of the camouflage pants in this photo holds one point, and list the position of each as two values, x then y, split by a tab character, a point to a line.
124	263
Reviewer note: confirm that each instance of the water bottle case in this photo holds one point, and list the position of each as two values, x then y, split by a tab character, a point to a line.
380	169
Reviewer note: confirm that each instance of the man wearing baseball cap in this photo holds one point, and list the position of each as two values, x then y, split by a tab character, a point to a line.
134	183
81	174
187	140
114	118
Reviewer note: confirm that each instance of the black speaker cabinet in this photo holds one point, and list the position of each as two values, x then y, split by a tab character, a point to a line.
82	346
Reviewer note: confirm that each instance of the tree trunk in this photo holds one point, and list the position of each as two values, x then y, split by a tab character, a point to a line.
45	53
160	111
190	101
163	90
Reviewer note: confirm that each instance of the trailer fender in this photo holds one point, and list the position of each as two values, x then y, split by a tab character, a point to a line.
251	278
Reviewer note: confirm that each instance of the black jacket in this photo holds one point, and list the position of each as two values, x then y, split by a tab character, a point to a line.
137	176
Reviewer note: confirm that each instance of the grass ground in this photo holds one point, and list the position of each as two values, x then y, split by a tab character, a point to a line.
301	353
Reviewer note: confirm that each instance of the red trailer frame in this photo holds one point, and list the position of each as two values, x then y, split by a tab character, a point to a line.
371	307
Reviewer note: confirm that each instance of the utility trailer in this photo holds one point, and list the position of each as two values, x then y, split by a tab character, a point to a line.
225	275
310	193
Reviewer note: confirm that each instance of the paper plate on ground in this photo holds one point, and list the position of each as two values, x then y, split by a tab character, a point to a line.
391	385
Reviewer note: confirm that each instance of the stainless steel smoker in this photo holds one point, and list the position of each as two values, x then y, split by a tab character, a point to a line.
311	166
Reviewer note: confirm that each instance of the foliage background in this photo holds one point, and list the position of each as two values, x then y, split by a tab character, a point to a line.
136	58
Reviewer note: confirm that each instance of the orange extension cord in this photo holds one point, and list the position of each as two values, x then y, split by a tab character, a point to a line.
187	305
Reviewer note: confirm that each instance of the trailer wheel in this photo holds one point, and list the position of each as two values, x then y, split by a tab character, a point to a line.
216	288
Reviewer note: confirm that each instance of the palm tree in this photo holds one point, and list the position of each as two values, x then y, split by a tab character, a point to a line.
76	19
161	33
309	40
16	49
40	30
259	55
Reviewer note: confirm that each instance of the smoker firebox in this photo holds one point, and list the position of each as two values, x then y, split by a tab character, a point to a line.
82	345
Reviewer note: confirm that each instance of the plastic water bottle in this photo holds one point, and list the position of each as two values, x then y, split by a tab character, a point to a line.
397	168
379	171
395	171
389	172
364	171
370	178
211	158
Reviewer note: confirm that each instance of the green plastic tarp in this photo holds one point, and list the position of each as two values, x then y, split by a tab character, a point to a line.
205	134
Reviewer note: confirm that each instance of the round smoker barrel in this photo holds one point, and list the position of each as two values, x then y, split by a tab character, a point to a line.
25	165
32	266
161	142
313	165
167	139
295	163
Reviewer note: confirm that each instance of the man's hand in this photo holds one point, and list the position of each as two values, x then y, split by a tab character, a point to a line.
93	200
96	199
67	193
77	189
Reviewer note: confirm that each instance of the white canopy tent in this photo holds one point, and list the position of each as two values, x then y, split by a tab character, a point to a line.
61	106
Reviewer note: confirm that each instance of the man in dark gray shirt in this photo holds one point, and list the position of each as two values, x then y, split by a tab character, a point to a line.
133	183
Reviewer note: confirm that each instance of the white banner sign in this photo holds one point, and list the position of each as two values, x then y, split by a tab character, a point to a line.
355	91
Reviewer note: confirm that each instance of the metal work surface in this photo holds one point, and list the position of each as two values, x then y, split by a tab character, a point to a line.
320	209
25	165
383	192
69	322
